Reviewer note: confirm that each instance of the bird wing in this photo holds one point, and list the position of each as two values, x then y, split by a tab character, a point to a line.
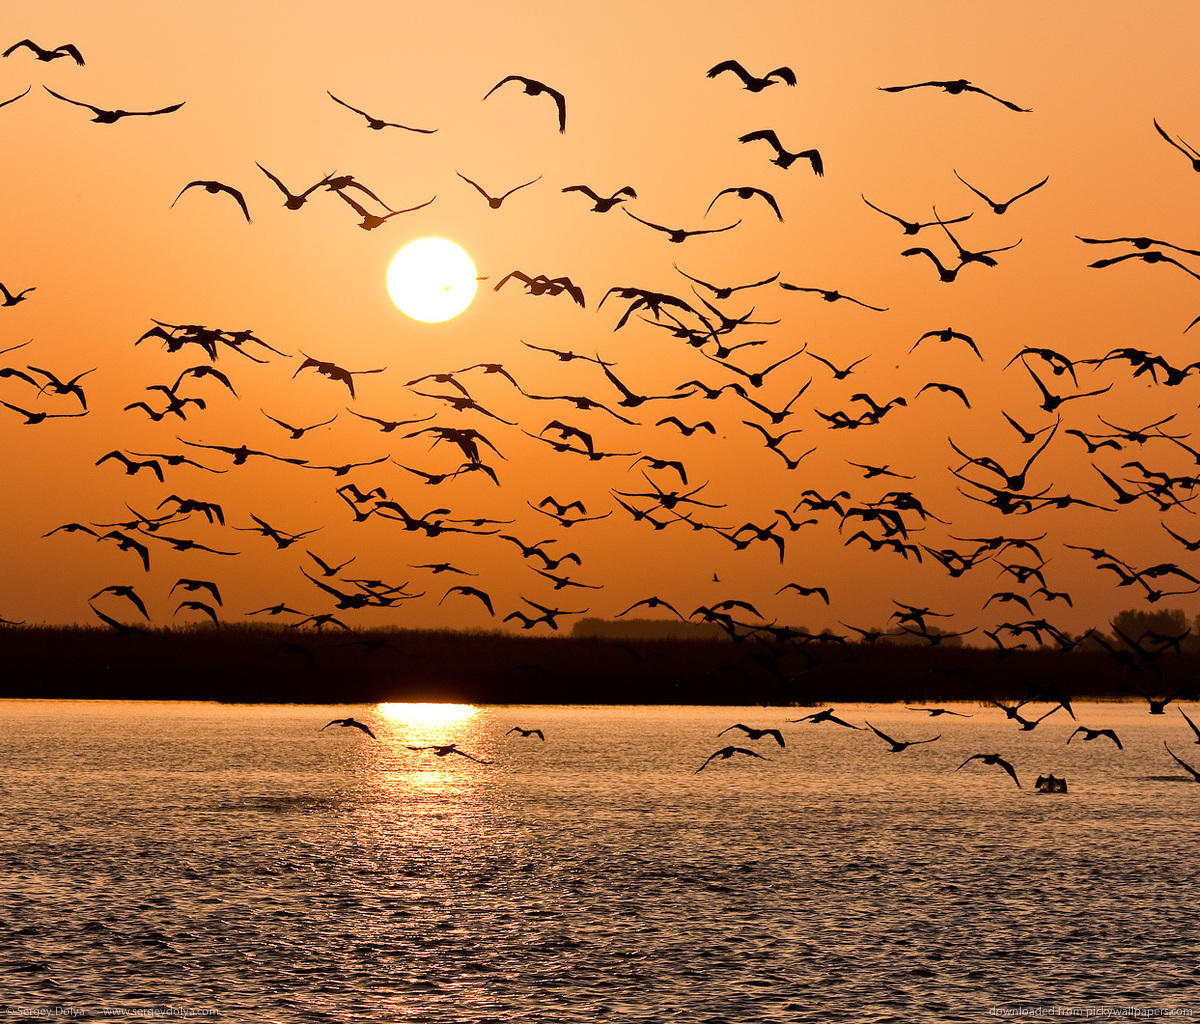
66	99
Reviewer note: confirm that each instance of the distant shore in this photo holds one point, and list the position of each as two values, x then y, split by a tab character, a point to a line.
274	665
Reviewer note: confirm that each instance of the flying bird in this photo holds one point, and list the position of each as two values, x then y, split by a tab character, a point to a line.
495	201
526	733
725	753
333	371
1001	207
375	123
756	734
994	759
215	187
112	116
1091	734
350	723
1189	151
784	158
749	82
900	745
600	203
746	192
536	88
955	87
65	50
681	234
12	298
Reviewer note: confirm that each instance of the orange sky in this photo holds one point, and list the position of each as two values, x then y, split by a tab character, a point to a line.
87	219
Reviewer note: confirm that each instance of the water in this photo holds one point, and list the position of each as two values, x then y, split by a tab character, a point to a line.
202	857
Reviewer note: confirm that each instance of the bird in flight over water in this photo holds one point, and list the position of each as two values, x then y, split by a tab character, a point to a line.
351	723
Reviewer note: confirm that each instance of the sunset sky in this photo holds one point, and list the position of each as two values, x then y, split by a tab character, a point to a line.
88	222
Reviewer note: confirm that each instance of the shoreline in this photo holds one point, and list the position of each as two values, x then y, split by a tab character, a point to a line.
244	665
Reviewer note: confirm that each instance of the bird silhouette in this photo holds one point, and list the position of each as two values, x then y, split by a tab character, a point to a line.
1001	207
1183	764
535	88
526	733
294	202
1189	151
333	371
444	750
750	82
214	188
823	716
65	50
495	201
992	759
900	745
1091	734
747	192
681	234
377	124
756	734
12	298
112	116
600	203
349	723
725	753
783	158
954	87
911	227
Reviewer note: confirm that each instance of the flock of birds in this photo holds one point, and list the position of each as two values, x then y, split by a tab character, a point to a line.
696	316
1045	783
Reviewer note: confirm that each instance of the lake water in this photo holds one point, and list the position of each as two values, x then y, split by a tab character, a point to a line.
236	861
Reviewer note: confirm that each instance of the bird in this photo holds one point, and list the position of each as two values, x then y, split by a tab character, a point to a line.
994	759
127	592
747	192
600	203
12	298
370	220
294	202
194	585
494	202
750	82
823	716
900	745
935	712
911	227
1191	771
443	750
351	723
536	88
1192	725
20	95
725	753
199	606
483	597
998	207
949	334
375	123
112	116
297	432
1187	150
526	733
756	734
333	371
783	158
65	50
954	87
215	187
681	234
830	295
1091	734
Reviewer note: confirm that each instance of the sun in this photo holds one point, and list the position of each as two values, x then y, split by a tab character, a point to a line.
431	280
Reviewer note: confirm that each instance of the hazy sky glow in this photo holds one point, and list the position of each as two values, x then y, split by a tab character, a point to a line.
88	221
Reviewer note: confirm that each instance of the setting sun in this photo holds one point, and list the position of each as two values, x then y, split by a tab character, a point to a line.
431	279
